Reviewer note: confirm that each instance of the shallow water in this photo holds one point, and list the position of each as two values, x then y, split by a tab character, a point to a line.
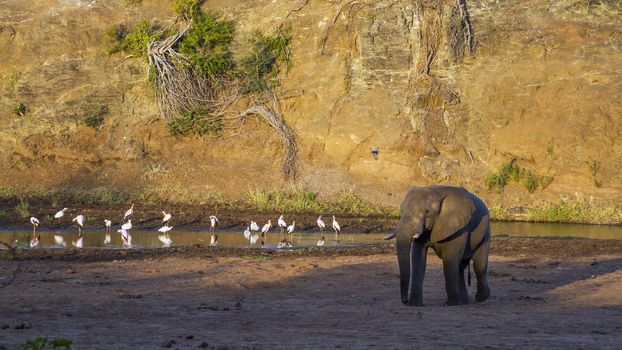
538	229
149	238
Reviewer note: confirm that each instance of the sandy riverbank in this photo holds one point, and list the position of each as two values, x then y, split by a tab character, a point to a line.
546	293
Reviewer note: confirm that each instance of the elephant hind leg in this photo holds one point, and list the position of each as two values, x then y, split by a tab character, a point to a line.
480	267
464	294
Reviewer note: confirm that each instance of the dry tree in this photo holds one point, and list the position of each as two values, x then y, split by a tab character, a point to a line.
179	89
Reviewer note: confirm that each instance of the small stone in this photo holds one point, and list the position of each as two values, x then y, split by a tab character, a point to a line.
431	151
204	345
23	325
190	337
238	305
5	326
167	344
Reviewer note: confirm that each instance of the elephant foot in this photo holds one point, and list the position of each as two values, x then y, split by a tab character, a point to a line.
455	302
482	295
417	303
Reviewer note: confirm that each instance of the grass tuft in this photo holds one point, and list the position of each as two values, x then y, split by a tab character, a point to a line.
499	213
575	209
348	202
23	208
20	109
297	200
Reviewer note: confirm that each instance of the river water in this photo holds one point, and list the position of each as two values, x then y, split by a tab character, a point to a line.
149	238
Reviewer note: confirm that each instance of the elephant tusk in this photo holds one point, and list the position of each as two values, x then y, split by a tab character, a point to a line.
390	236
416	235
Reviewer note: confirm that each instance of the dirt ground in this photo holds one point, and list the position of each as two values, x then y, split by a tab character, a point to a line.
546	293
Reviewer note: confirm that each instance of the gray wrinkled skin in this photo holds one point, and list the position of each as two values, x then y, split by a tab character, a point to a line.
456	225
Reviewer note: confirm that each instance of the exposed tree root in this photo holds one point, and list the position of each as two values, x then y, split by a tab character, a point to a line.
288	139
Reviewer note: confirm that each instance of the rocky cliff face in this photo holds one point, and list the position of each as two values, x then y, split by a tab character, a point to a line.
543	87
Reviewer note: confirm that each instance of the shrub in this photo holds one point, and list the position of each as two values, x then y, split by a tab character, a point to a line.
20	109
510	171
187	8
260	66
206	44
132	41
23	209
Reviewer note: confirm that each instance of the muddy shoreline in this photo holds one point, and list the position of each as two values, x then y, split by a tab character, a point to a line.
501	245
188	217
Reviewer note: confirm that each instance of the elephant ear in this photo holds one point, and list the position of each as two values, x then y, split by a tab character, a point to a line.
456	209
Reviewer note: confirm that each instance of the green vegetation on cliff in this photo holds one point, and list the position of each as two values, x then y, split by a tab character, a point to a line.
511	171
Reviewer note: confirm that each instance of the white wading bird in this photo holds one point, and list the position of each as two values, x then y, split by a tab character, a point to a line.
213	224
80	221
35	238
336	227
264	232
129	212
247	233
127	226
107	239
165	229
126	237
282	226
322	225
59	241
165	238
290	230
59	214
80	242
166	218
254	226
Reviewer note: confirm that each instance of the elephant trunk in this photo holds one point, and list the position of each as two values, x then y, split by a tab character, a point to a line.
411	257
404	243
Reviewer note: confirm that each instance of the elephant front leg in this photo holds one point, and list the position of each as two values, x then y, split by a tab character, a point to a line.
452	282
418	257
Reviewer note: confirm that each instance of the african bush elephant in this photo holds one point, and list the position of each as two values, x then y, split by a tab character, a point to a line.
453	222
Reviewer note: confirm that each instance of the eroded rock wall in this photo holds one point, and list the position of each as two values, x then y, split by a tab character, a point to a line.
542	87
